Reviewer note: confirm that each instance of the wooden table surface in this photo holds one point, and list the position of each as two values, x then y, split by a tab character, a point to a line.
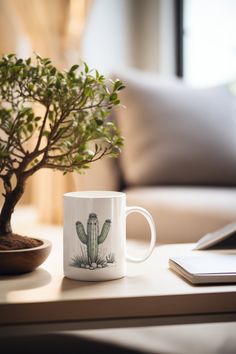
149	291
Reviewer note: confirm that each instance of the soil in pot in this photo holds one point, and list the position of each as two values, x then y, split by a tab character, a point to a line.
17	242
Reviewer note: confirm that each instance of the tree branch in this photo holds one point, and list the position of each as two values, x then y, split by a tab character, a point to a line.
14	139
42	128
68	168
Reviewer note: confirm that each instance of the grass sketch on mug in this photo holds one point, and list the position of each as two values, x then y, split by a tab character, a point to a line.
93	258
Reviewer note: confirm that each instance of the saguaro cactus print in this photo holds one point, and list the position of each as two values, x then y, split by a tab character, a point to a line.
93	238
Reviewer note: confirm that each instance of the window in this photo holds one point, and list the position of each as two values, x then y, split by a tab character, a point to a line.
209	42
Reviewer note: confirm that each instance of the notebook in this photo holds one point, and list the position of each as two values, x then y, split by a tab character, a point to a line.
214	261
205	268
223	238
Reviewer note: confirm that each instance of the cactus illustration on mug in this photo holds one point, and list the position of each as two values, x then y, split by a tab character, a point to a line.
93	239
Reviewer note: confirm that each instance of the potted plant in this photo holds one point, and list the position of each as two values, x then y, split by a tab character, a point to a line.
72	131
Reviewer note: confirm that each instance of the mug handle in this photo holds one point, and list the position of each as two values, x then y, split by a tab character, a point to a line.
147	215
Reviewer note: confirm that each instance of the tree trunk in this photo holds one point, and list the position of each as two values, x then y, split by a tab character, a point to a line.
11	199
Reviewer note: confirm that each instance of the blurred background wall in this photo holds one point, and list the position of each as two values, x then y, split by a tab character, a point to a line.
192	38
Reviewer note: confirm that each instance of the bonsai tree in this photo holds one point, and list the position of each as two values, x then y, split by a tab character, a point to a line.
72	130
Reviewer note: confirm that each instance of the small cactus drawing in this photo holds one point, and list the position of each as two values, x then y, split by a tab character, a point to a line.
110	258
93	238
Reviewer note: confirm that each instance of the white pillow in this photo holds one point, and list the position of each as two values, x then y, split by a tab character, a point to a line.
175	134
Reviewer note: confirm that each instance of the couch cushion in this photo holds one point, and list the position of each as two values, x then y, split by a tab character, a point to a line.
175	134
181	214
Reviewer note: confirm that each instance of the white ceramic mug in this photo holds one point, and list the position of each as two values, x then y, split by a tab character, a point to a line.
95	235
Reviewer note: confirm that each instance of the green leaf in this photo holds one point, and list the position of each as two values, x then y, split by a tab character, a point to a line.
30	86
11	55
30	127
53	71
113	96
58	84
74	67
86	68
19	61
96	147
121	87
88	91
46	133
99	121
46	61
118	85
50	115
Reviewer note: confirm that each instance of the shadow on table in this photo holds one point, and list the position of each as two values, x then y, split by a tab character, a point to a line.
33	280
70	284
59	343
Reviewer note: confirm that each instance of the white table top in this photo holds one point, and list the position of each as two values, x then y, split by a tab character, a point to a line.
150	289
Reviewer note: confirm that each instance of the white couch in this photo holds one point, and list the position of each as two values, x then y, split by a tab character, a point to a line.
179	157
